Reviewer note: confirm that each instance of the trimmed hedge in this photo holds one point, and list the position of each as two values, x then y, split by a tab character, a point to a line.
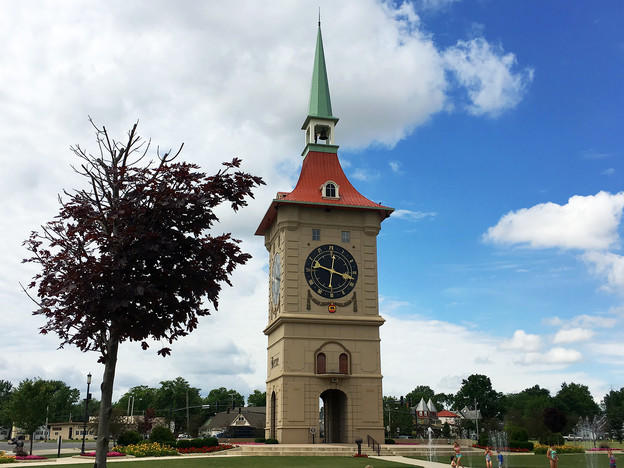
129	438
162	435
554	438
521	444
197	443
389	441
271	441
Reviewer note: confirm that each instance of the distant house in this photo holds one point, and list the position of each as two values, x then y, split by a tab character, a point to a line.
473	415
449	417
237	423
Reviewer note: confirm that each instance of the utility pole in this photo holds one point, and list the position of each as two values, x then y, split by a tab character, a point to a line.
476	419
187	414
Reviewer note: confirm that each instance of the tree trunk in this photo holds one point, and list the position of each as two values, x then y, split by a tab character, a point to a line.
32	438
106	407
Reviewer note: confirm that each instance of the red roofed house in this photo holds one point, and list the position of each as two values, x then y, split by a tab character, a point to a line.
449	417
323	319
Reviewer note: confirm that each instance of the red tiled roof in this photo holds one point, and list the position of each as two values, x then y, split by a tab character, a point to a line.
317	169
447	414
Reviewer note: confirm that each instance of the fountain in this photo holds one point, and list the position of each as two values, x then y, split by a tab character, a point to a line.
430	449
498	442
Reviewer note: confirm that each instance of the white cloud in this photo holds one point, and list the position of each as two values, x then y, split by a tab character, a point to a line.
364	175
486	72
555	356
585	222
608	172
572	335
609	265
395	166
522	341
412	215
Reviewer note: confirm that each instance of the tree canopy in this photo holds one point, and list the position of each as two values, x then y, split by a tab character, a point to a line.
219	399
129	257
478	389
257	398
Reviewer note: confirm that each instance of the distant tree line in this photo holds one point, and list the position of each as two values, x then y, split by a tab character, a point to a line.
36	401
533	412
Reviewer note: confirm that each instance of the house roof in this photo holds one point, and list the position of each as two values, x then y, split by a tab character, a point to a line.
317	169
431	406
447	414
255	415
422	406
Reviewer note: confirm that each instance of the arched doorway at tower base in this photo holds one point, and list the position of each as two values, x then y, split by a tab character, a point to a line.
335	416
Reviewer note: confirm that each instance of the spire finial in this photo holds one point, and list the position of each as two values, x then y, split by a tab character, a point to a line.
319	16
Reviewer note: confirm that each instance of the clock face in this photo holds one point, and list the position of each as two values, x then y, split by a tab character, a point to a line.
331	271
276	275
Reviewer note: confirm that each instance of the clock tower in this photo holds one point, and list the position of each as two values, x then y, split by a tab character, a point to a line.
323	362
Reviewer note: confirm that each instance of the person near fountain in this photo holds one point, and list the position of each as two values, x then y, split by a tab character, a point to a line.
488	457
458	454
552	456
500	459
611	458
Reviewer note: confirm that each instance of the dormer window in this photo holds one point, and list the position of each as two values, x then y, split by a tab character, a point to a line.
330	190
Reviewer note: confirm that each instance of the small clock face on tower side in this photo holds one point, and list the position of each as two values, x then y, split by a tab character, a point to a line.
331	271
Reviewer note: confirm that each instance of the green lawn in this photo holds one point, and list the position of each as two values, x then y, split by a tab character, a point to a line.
253	462
572	460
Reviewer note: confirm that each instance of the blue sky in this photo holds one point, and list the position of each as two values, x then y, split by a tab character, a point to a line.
493	128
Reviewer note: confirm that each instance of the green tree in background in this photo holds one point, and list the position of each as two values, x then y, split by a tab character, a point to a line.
422	391
524	410
6	388
172	395
33	399
397	416
614	409
257	398
477	389
575	401
144	397
221	398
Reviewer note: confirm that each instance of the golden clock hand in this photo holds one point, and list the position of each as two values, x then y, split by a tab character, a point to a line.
331	272
346	276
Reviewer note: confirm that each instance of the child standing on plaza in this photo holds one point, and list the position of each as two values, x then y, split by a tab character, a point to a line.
488	457
500	459
552	456
611	458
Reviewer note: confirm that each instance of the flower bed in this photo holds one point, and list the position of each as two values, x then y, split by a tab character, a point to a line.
505	449
360	455
31	457
148	449
539	448
109	454
214	448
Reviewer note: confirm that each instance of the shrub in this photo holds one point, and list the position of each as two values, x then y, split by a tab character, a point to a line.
484	439
518	434
271	441
147	449
520	444
553	438
162	435
389	441
197	443
129	438
260	440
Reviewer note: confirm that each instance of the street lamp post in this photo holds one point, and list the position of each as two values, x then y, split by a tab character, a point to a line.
86	416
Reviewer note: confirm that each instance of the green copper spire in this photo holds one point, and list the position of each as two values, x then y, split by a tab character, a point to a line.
320	102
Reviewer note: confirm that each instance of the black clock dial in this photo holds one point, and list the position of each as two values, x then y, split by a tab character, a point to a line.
331	271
